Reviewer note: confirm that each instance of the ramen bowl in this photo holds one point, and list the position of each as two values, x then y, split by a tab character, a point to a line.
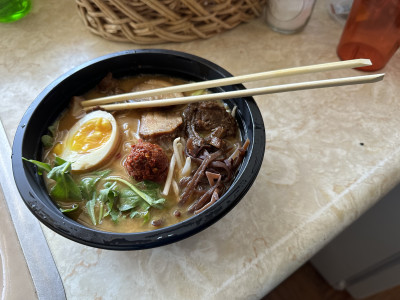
50	103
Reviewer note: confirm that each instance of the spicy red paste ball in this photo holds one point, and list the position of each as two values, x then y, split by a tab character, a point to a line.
147	161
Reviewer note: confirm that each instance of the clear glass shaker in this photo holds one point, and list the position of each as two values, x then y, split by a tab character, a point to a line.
288	16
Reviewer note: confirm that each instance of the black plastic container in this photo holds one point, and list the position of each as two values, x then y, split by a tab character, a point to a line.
55	98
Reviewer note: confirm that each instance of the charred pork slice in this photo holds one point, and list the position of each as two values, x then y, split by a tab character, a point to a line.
152	84
161	123
158	123
109	86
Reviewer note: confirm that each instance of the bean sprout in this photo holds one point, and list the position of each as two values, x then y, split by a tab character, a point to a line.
175	187
233	113
177	153
187	168
169	176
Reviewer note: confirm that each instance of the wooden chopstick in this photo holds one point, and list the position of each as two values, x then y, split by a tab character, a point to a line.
354	63
246	92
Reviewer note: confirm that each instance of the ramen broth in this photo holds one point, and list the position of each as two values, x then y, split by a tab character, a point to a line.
128	122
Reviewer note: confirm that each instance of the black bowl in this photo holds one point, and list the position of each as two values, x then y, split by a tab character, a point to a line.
55	98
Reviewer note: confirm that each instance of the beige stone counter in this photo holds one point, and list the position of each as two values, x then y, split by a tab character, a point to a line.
330	155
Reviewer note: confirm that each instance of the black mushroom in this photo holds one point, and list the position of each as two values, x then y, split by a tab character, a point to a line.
208	126
209	117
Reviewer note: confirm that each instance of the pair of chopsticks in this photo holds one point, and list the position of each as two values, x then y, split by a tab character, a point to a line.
104	102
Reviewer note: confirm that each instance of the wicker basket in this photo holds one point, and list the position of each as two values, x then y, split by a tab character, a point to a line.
158	21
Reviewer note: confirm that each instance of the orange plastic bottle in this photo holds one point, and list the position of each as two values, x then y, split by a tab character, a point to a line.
372	31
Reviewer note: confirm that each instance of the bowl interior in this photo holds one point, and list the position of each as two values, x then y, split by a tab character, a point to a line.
55	98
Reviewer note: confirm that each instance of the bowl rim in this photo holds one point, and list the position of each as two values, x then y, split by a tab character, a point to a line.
77	232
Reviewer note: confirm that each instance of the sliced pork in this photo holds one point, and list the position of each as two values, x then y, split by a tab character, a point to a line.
154	124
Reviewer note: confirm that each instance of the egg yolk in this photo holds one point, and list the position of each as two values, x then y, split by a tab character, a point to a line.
91	135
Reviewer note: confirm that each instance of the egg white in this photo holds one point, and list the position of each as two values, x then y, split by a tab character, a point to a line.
94	158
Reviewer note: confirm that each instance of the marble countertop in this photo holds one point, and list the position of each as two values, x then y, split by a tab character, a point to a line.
330	155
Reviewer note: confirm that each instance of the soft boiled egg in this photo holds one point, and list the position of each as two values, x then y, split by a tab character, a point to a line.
90	141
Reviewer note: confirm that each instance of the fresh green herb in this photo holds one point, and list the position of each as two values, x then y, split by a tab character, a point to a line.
53	128
133	201
145	215
73	208
115	214
48	139
109	193
88	187
147	195
151	189
90	210
141	211
42	167
128	200
65	188
88	190
88	184
107	197
148	185
138	199
198	92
